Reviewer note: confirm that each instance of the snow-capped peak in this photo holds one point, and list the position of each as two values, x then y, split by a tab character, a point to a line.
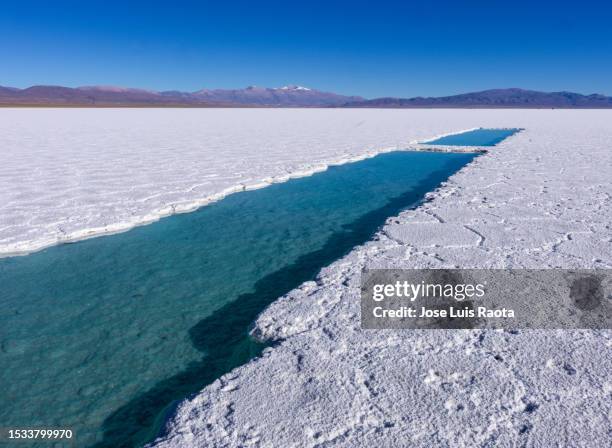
293	87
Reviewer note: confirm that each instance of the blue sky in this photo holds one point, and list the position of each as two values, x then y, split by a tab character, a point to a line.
370	48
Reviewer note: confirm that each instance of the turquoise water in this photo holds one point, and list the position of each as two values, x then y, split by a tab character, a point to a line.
477	137
105	335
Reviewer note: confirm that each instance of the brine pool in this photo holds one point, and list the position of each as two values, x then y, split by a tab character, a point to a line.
475	137
106	335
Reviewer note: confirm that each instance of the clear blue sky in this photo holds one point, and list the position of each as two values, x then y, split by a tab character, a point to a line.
370	48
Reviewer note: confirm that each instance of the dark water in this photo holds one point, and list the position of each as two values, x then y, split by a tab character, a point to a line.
105	335
477	137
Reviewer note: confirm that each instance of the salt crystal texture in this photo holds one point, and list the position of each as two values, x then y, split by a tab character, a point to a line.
541	199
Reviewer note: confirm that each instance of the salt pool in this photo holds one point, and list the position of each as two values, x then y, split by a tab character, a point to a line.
105	335
476	137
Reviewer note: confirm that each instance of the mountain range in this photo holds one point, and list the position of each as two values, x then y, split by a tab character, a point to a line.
288	96
100	96
495	98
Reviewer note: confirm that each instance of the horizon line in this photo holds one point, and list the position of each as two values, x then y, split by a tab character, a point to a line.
111	88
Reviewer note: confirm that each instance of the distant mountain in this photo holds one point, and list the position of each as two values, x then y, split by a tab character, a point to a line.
284	96
89	96
496	98
288	96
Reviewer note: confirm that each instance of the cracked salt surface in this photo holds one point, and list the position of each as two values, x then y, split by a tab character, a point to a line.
68	173
541	199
